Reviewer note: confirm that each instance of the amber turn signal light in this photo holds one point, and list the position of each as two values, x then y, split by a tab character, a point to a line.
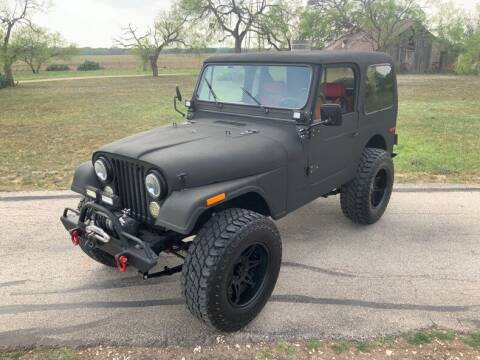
216	199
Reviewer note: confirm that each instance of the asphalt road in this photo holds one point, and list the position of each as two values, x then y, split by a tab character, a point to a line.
419	266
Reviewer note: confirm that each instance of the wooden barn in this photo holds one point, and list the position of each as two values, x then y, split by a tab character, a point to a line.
417	50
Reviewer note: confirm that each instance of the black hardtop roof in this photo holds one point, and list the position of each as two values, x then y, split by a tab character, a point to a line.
304	57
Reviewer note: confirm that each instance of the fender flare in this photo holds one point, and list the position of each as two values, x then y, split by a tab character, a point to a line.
85	176
181	210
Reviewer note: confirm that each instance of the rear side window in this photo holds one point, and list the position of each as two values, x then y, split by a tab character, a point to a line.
379	94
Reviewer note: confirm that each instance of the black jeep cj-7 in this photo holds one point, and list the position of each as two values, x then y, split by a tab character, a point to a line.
264	134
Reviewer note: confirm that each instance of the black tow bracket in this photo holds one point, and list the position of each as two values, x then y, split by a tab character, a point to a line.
139	253
165	272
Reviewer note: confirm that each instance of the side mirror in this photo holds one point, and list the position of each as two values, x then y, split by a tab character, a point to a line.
331	115
179	94
178	97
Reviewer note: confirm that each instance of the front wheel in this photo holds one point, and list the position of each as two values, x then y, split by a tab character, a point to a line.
231	268
365	198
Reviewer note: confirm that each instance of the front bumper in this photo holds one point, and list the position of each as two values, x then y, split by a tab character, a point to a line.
118	244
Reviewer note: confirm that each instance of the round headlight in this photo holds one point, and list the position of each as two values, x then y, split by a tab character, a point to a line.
101	169
153	185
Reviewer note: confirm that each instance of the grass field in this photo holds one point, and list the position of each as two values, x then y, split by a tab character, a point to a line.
48	128
113	65
439	129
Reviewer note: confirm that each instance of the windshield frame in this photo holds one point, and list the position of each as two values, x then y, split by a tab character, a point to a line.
255	106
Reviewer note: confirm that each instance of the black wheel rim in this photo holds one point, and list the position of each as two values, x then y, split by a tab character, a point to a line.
248	275
379	188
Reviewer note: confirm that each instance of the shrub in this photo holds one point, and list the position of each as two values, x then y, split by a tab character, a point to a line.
89	66
468	62
58	67
3	81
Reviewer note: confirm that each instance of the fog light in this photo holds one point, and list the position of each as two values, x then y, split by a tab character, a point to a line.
91	193
108	190
154	209
107	200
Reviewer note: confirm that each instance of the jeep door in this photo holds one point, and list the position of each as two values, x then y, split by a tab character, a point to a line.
331	148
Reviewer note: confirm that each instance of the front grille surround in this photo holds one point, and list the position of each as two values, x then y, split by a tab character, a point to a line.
129	184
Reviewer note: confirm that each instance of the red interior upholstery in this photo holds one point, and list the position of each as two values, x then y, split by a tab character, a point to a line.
337	93
272	93
334	90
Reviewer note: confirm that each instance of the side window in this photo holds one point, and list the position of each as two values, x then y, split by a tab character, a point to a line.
337	86
379	94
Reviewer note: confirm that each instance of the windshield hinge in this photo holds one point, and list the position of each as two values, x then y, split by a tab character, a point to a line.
311	169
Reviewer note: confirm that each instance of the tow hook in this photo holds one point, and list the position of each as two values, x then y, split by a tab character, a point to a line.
122	263
75	235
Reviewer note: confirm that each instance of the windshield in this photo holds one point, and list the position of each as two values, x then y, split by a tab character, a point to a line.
266	86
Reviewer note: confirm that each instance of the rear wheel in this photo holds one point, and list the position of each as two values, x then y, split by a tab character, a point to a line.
366	197
231	268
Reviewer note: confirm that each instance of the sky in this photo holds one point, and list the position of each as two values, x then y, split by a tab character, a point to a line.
96	23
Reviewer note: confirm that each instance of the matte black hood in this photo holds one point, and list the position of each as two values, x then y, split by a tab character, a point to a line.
206	151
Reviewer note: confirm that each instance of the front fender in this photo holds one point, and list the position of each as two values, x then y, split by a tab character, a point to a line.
181	210
85	176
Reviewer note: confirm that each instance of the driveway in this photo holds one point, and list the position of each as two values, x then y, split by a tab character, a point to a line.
417	267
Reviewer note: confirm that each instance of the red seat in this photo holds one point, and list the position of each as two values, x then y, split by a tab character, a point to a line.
337	93
334	92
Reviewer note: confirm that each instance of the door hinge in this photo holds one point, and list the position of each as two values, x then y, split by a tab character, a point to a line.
311	169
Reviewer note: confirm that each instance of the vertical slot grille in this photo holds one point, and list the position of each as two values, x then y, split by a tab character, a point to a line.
129	182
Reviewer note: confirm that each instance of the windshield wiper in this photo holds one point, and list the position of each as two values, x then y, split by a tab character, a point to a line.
212	92
254	99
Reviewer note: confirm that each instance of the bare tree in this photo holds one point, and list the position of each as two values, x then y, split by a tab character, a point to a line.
167	30
234	18
12	14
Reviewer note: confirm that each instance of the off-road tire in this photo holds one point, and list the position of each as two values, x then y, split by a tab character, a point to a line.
356	196
98	255
210	263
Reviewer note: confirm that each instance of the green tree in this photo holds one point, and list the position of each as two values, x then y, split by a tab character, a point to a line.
378	20
381	20
468	62
231	18
325	20
167	30
314	25
38	46
459	33
13	13
143	53
452	25
280	25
